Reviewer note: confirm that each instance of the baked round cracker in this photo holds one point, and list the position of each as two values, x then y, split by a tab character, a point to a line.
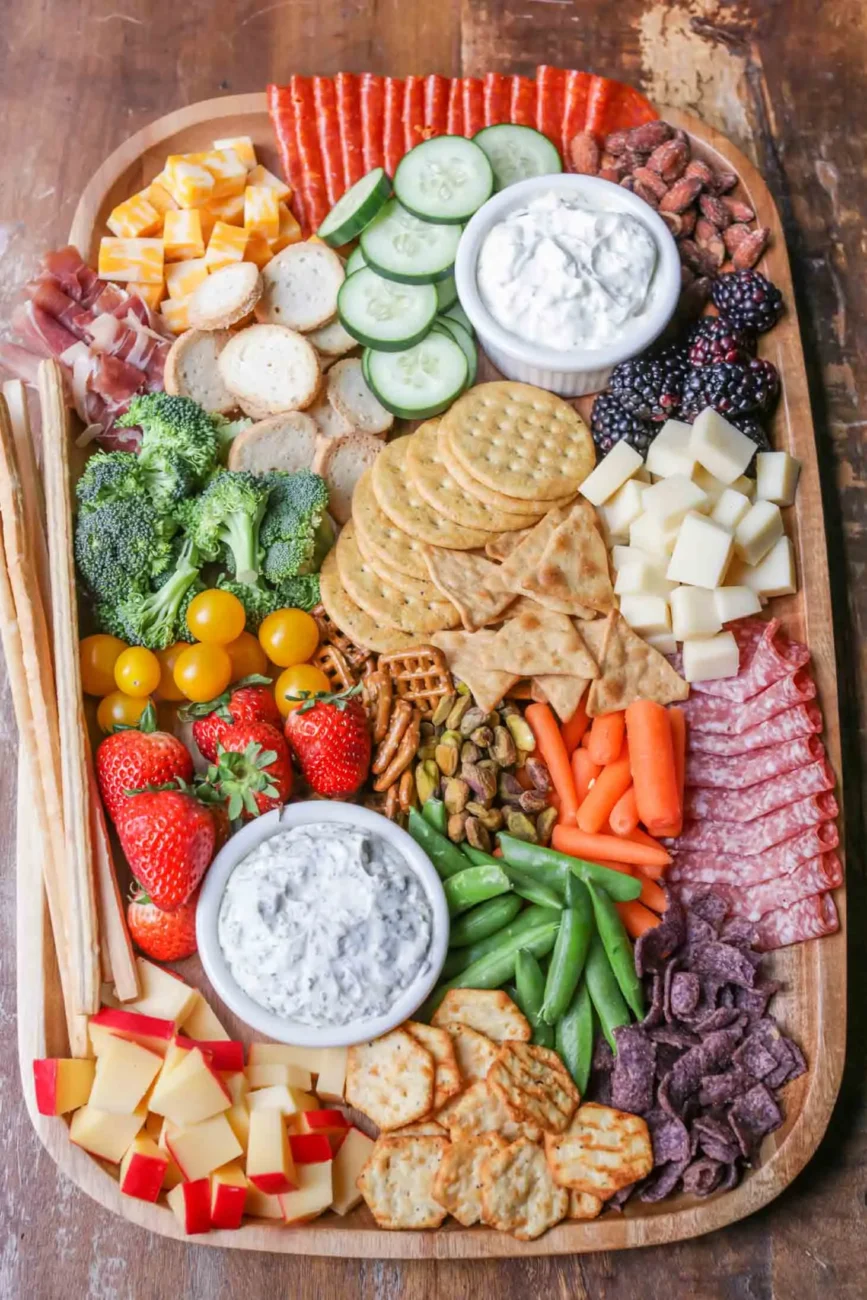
447	1076
352	620
398	1179
399	499
584	1206
226	297
378	537
433	482
534	1086
518	1193
520	440
474	1052
479	1110
384	602
420	588
391	1079
490	1011
458	1184
420	1128
489	496
602	1150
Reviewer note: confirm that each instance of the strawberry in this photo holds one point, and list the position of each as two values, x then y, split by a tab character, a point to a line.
331	739
165	936
251	700
137	757
253	772
168	838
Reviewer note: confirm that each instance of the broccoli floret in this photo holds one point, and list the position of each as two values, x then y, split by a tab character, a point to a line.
172	424
109	476
120	546
168	478
107	619
301	592
151	618
296	532
228	514
227	432
257	600
182	631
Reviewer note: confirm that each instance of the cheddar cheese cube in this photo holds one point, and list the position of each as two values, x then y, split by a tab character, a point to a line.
152	294
258	249
134	218
228	171
262	210
182	235
260	175
183	277
189	183
175	313
227	244
158	196
243	147
230	210
289	231
131	259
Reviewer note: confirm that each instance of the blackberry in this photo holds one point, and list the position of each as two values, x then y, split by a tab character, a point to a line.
716	339
732	388
610	423
754	430
649	387
748	300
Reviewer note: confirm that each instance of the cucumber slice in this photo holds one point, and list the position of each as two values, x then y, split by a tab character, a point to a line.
517	152
465	342
355	261
447	293
444	179
385	315
455	312
358	206
401	247
365	365
423	380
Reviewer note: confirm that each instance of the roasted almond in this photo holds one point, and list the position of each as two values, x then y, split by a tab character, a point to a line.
723	181
701	171
688	220
652	180
714	210
735	234
705	231
647	136
682	193
750	249
674	221
737	209
670	159
584	154
644	192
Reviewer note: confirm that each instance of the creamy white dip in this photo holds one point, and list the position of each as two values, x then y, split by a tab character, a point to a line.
325	924
562	274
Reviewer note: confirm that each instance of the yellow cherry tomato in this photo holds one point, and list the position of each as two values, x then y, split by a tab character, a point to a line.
137	672
247	657
216	617
168	688
202	671
297	684
98	655
288	637
119	710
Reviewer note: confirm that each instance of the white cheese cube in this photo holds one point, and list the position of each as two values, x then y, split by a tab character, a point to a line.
621	555
664	642
693	613
745	485
638	578
757	532
777	477
673	497
701	554
711	658
642	475
648	534
735	602
712	487
730	508
670	453
719	446
646	614
773	576
619	511
611	473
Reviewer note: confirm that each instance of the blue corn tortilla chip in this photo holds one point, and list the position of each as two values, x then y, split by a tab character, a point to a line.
685	991
739	932
656	1008
634	1070
723	962
654	948
678	1036
755	1001
663	1181
731	1177
721	1018
711	907
752	1117
669	1137
717	1089
715	1138
702	1176
698	932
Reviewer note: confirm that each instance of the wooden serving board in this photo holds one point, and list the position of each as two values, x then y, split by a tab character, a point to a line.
812	1006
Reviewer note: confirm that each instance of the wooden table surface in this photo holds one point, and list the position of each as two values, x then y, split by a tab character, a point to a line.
784	79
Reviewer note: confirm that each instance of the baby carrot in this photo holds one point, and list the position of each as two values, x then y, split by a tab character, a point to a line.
544	726
607	848
584	772
651	753
651	895
606	738
624	815
585	739
573	730
677	722
609	785
636	918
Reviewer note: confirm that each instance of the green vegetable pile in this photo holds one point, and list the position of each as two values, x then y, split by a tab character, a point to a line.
156	527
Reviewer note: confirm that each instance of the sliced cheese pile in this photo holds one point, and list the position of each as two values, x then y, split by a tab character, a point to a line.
694	543
203	211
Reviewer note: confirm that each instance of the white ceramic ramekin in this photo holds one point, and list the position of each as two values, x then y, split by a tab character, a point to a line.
576	372
315	813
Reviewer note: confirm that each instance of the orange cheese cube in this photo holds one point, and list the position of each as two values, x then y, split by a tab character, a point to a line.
135	217
332	1073
189	182
243	147
163	993
158	196
227	244
175	313
131	259
289	231
152	294
258	249
182	235
183	277
261	1205
261	210
347	1165
230	210
260	175
228	171
202	1023
192	1092
198	1149
191	1205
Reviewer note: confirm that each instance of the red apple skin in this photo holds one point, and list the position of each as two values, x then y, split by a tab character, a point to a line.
310	1148
197	1206
227	1206
144	1177
45	1082
272	1184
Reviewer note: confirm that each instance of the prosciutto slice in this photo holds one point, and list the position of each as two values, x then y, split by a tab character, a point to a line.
812	918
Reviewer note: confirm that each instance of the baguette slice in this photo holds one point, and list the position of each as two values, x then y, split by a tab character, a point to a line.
192	370
332	340
300	287
226	297
341	462
329	422
270	369
351	397
285	442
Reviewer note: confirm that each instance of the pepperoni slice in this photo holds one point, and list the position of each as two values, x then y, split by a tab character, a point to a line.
436	105
372	95
281	110
522	101
612	106
348	96
393	144
550	98
474	106
455	111
576	95
497	91
327	125
307	144
413	112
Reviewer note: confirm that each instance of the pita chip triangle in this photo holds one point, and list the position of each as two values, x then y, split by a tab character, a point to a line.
534	644
630	669
462	651
562	693
470	582
573	567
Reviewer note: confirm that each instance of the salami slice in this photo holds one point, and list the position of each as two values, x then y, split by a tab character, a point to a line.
708	868
455	111
744	770
393	145
759	800
550	97
575	96
474	105
496	97
748	838
281	110
436	105
328	127
774	656
372	99
309	153
721	717
752	901
522	102
413	112
613	106
812	918
348	94
791	724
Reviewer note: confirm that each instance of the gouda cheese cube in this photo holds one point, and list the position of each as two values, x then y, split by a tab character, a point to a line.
243	147
228	171
258	249
134	218
227	244
230	210
261	210
182	235
158	196
611	473
131	259
189	183
175	313
289	232
152	294
260	175
183	277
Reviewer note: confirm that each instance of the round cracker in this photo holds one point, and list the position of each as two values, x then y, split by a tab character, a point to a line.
490	496
225	297
300	286
286	442
385	603
341	462
534	1085
350	395
378	537
458	1184
430	476
400	500
390	1079
397	1182
270	369
520	440
192	371
518	1193
352	620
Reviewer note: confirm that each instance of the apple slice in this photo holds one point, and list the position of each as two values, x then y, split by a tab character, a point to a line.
105	1134
310	1148
313	1194
191	1205
62	1084
201	1022
348	1164
124	1072
333	1123
152	1032
266	1076
143	1168
191	1092
228	1196
270	1166
198	1149
332	1073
